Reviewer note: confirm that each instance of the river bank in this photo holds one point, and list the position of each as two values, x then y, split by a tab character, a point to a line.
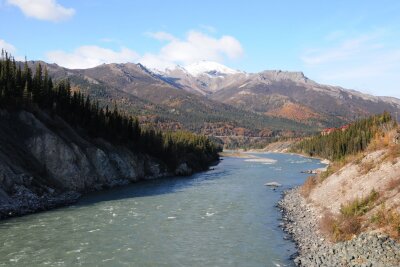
221	217
24	201
47	163
301	221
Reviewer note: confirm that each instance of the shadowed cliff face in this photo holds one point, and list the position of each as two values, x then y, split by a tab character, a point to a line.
45	163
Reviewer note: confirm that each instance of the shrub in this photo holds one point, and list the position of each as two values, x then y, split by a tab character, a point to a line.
332	168
348	223
393	184
328	223
359	206
393	153
366	166
340	228
389	220
308	185
348	226
380	141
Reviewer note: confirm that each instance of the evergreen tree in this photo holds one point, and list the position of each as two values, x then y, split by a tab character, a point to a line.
18	89
341	143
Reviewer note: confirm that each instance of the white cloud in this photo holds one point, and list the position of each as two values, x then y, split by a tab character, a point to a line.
7	47
368	62
345	50
11	50
90	56
155	62
43	9
195	47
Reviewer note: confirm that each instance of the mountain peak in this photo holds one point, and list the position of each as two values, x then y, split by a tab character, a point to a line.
209	67
297	76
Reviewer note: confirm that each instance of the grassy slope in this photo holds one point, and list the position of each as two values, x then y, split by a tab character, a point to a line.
363	191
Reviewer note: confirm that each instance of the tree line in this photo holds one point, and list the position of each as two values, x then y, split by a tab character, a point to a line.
20	88
341	143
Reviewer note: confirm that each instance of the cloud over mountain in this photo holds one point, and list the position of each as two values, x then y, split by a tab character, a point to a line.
195	47
7	46
90	56
43	9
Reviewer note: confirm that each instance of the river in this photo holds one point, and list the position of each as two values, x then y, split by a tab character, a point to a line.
222	217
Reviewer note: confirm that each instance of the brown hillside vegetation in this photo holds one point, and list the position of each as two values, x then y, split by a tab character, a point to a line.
295	112
361	192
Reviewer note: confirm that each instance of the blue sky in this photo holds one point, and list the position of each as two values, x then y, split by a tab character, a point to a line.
354	44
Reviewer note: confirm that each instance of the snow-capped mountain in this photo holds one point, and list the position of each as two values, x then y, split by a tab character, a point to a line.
210	68
277	93
203	77
217	90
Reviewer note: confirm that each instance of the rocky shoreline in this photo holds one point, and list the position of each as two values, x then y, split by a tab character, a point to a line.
25	202
45	163
300	222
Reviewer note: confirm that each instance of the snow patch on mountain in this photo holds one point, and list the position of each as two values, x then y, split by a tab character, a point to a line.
210	68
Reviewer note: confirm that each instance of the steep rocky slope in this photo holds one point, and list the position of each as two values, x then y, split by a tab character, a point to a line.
349	215
45	163
357	179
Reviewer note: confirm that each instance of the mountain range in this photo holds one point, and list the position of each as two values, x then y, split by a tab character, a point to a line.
278	93
210	98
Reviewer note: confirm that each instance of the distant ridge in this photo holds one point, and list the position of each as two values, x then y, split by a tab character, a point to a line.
210	98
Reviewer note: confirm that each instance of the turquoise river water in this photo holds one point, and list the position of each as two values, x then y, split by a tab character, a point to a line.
222	217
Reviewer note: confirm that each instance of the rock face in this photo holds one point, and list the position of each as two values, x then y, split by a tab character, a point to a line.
183	169
45	163
300	221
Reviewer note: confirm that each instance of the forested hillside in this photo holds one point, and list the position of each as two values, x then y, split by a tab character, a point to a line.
238	108
21	89
158	104
362	181
346	141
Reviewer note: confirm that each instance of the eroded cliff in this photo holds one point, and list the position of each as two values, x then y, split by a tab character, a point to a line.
45	163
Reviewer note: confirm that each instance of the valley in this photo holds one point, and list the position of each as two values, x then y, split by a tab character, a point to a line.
133	127
200	133
241	109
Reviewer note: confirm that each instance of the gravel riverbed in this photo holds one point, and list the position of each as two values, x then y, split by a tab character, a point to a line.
300	221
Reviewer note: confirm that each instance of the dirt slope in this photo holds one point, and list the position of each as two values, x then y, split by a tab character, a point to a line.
357	179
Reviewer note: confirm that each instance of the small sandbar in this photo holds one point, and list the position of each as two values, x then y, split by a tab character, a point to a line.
262	160
235	154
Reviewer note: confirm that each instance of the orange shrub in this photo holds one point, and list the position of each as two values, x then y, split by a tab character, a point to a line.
308	186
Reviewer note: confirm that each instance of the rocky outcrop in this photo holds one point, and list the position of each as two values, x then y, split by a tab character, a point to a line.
183	169
45	163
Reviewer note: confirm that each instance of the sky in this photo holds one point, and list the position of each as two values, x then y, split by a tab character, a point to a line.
353	44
